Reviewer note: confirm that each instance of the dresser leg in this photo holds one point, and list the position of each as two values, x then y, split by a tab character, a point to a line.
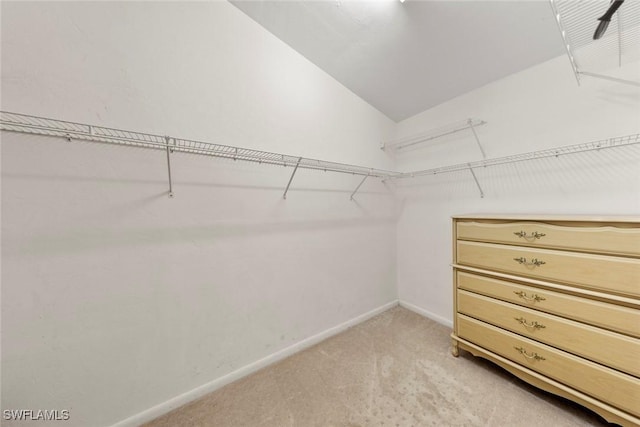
454	348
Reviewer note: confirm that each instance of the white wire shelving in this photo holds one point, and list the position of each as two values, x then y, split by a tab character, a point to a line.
533	155
430	135
620	141
577	21
22	123
15	122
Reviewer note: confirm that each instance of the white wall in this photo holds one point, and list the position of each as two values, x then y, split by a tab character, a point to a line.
116	298
538	108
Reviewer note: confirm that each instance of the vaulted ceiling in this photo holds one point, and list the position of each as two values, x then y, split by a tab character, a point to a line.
404	58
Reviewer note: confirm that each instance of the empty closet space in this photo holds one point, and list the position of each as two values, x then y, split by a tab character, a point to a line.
241	213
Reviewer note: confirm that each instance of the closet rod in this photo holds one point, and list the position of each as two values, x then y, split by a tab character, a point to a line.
22	123
619	141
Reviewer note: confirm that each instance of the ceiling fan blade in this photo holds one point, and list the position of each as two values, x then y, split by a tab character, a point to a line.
606	18
602	27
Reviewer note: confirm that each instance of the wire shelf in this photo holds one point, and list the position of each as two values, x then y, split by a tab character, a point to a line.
23	123
577	21
620	141
432	134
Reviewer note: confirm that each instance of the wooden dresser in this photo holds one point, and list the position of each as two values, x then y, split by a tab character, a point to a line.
555	301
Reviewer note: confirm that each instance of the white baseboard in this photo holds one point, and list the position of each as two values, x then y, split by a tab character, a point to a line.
426	313
171	404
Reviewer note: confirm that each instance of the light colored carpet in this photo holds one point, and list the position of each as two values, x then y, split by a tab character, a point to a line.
392	370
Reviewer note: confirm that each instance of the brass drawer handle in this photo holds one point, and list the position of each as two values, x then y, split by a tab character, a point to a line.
535	262
533	325
533	356
533	298
523	235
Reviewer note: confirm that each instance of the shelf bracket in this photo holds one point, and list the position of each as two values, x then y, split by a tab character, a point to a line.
473	129
613	79
169	151
619	24
359	185
284	196
473	174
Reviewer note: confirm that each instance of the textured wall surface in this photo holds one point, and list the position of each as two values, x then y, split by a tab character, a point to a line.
116	298
536	109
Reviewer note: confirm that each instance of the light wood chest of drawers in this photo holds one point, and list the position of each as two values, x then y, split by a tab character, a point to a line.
556	301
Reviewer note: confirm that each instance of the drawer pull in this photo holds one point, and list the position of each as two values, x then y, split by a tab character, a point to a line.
535	235
534	325
535	262
524	296
532	356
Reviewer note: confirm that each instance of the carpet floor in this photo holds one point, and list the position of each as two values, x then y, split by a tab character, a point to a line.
394	370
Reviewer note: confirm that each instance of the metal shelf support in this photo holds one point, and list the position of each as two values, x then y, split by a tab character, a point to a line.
169	151
473	174
359	185
619	18
613	79
295	169
473	129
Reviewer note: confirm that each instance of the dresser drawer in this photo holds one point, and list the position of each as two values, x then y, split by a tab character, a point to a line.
605	315
605	384
590	238
608	348
602	272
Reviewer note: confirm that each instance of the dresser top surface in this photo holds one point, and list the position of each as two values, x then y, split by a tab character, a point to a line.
547	217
